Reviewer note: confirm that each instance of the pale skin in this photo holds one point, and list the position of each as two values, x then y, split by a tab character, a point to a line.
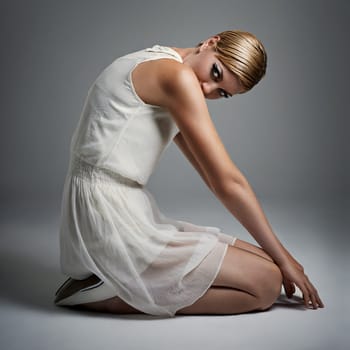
250	278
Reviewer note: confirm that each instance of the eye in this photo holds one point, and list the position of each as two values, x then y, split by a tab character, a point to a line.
216	72
223	93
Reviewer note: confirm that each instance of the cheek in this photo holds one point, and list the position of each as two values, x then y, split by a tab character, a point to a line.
213	96
198	72
203	74
201	71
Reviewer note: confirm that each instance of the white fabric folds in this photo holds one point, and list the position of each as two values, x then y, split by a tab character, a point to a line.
111	225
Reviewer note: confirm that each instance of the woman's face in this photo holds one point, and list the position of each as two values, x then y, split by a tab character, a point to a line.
215	79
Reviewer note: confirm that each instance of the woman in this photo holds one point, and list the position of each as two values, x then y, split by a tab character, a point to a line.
121	253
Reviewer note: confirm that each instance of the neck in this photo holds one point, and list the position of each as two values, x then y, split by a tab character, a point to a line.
184	52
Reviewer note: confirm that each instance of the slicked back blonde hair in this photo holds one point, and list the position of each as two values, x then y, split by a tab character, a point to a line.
244	55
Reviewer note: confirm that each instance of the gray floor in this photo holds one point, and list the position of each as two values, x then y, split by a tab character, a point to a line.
314	232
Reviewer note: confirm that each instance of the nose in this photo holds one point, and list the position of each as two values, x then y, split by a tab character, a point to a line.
207	88
210	90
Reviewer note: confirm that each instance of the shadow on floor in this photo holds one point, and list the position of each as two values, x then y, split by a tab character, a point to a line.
28	281
295	303
32	283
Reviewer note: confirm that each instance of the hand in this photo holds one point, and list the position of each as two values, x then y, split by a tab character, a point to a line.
293	275
288	285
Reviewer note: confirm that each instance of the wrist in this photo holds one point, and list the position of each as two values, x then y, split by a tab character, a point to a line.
283	262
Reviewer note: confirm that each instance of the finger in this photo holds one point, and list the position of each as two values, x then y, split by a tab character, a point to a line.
314	301
314	293
311	292
306	296
293	288
288	288
318	299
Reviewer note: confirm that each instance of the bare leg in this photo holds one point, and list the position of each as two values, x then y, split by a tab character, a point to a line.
252	249
222	301
248	280
245	282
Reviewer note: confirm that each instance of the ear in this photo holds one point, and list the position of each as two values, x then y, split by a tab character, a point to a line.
209	43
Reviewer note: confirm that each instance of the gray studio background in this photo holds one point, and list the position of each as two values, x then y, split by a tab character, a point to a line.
289	135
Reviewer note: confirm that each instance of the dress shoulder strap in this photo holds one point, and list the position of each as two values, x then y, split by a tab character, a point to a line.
165	49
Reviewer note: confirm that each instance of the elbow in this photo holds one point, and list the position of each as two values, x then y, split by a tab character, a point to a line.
224	188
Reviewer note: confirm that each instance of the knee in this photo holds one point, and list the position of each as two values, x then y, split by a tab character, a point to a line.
270	286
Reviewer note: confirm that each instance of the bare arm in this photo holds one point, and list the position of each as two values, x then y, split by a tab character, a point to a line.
245	192
181	143
176	88
187	105
239	202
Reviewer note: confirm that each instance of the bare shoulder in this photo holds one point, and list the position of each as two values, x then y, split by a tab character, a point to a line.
177	78
180	85
157	80
174	86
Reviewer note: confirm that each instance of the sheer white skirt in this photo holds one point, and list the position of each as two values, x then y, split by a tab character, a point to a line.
112	227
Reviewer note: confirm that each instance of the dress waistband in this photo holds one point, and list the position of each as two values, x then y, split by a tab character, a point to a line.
79	167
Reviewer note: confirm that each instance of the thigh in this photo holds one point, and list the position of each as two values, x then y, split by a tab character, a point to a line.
245	271
245	267
252	248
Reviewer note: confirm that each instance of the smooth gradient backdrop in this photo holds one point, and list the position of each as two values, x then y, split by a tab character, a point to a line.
289	136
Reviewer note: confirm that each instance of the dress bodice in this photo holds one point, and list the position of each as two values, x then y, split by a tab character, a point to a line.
117	130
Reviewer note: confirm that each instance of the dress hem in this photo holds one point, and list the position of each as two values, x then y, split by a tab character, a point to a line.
213	279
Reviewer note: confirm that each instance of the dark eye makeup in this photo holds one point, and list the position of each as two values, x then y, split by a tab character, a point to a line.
216	72
223	93
217	75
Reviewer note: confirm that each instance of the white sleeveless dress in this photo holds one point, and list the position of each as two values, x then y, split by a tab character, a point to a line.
110	224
